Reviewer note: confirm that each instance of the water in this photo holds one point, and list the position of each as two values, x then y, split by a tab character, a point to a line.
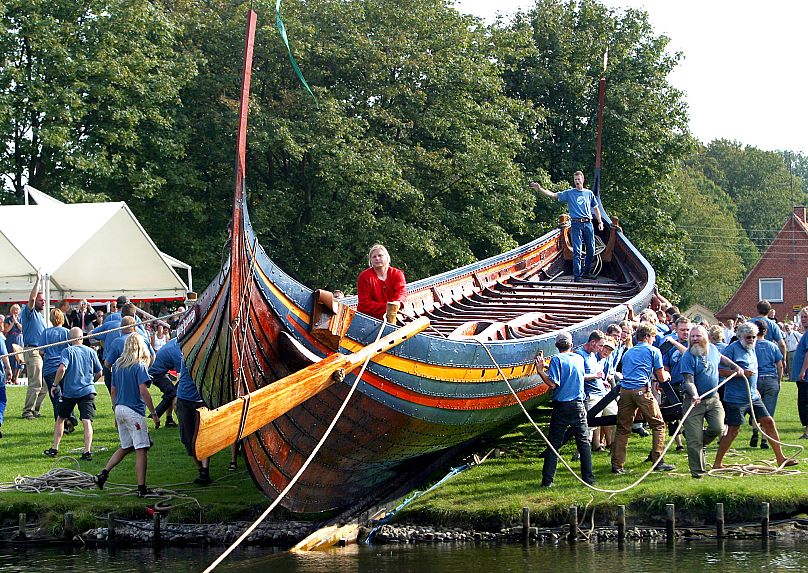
732	556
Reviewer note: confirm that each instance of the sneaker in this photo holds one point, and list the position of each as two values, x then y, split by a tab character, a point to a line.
753	441
203	479
143	491
619	471
51	453
764	445
642	432
679	448
804	437
87	457
664	468
28	417
70	426
101	479
231	468
37	414
170	423
697	475
546	484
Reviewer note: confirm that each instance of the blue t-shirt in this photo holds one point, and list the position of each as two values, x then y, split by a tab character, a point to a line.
799	358
113	350
768	354
127	382
170	357
101	332
704	369
773	332
81	365
735	392
53	354
639	364
33	325
671	359
2	362
580	203
566	370
113	317
592	365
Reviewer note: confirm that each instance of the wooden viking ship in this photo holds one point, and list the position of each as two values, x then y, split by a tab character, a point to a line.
255	326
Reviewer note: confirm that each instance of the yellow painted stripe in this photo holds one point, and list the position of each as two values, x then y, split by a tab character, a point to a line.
440	373
286	301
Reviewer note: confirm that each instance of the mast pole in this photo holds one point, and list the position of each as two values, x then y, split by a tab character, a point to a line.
601	105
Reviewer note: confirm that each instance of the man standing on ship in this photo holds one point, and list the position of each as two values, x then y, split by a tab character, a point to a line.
582	205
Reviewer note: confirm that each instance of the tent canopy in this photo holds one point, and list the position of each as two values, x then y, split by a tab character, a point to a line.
94	251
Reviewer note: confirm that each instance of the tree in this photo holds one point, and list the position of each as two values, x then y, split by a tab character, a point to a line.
88	93
411	141
553	57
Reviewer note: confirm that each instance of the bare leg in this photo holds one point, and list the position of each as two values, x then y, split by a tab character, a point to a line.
724	444
88	435
116	458
141	461
58	432
768	426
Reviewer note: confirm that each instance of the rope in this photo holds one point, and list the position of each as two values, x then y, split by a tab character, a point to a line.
638	481
305	465
69	340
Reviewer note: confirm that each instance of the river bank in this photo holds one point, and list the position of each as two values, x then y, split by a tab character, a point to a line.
486	498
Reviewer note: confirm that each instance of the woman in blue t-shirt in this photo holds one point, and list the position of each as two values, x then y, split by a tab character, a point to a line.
130	397
12	329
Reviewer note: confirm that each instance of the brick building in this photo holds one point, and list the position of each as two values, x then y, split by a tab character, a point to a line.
780	276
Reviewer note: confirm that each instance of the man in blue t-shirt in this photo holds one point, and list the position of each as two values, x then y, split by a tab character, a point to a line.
799	367
699	368
582	206
189	400
566	378
773	332
739	399
5	374
640	364
770	372
78	370
33	325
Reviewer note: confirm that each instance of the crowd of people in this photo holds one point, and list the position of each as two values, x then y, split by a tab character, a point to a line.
661	361
130	349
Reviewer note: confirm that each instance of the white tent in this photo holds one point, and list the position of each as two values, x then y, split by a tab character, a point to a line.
93	251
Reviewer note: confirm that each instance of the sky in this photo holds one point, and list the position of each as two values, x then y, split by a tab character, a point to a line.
744	67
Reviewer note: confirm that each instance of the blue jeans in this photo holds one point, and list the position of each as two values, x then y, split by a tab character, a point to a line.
568	415
769	389
583	234
2	397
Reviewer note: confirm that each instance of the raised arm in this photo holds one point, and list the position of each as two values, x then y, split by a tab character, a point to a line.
537	186
34	291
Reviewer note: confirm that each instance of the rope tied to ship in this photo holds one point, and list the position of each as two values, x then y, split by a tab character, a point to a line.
305	465
779	470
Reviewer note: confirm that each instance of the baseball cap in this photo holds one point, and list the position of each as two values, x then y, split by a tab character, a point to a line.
122	300
565	337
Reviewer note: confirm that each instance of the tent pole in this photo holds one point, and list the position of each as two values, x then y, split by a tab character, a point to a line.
46	295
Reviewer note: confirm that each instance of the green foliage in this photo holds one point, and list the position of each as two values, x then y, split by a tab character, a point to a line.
717	247
553	58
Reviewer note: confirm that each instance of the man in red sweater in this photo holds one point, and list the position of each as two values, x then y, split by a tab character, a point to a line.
380	284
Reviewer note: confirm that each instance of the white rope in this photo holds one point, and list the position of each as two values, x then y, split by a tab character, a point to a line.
305	465
637	482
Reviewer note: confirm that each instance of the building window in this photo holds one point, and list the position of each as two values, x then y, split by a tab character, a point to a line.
771	289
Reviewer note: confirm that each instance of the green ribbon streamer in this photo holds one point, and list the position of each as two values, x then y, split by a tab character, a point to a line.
282	31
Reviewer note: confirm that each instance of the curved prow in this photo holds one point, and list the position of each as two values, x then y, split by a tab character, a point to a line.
222	427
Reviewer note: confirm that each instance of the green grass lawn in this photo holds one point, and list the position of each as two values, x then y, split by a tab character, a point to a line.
495	491
233	494
487	495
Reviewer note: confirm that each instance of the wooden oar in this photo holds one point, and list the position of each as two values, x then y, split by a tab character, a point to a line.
222	427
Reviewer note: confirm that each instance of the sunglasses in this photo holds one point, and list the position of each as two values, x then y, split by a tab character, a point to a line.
750	337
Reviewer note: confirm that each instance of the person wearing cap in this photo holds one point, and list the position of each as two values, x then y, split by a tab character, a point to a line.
640	363
582	205
33	326
566	378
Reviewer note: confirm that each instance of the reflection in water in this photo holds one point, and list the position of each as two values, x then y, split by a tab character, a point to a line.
729	557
